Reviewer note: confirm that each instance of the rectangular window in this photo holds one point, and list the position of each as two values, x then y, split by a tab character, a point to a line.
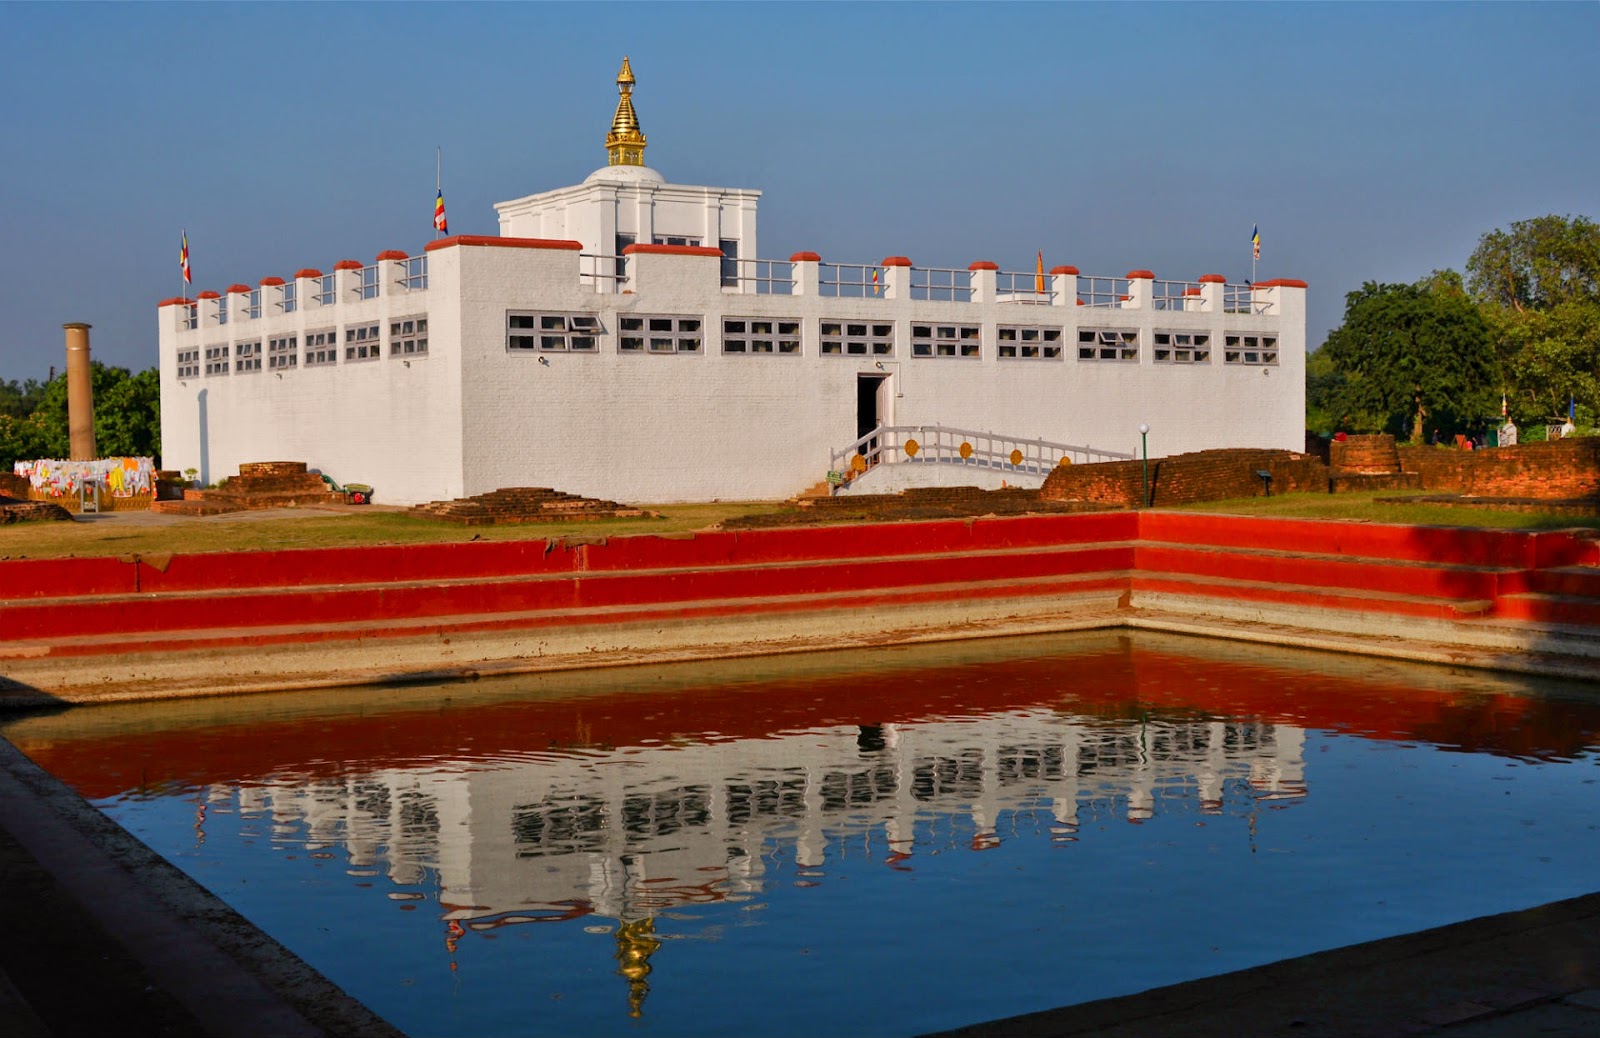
283	352
188	363
1182	348
325	289
253	307
675	239
730	262
361	342
367	284
856	339
247	356
408	337
553	333
1105	344
659	333
222	310
1250	349
1026	342
415	277
322	348
216	360
760	335
291	293
944	340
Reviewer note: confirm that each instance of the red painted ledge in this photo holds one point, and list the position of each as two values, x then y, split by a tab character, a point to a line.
175	301
1282	283
1065	270
391	254
1191	291
271	282
672	250
1141	275
805	257
237	289
307	272
210	295
982	265
348	265
895	261
489	241
1213	279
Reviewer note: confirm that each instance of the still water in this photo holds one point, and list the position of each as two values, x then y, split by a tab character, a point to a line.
880	842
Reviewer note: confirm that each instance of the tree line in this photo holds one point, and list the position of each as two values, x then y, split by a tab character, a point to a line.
127	416
1523	327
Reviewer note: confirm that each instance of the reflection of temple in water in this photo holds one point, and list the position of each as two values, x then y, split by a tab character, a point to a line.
628	833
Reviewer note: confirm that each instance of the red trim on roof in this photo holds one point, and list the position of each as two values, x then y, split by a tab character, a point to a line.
671	250
1191	291
1282	283
1140	275
210	295
237	289
391	254
1213	279
348	265
175	301
982	265
1064	270
805	257
307	272
492	242
895	261
271	282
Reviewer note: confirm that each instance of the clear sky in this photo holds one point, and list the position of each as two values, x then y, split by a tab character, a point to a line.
1369	141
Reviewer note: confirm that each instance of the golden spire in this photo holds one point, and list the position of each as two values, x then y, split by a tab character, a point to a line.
625	143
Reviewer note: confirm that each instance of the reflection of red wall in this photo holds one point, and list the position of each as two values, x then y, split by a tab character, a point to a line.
1118	684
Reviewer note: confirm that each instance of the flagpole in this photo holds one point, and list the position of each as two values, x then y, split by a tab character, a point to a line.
1255	254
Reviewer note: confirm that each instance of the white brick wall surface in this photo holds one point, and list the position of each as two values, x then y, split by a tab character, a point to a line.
472	415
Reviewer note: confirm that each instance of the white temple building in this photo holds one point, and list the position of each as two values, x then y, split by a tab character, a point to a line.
622	339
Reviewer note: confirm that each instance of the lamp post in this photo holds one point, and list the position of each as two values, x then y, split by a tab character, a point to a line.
1144	453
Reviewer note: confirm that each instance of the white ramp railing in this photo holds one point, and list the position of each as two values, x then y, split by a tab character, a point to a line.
945	445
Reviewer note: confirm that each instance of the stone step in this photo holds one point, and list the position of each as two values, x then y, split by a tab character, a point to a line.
1346	600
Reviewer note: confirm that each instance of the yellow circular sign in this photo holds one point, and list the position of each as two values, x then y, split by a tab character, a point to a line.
911	448
966	449
858	463
1064	461
1016	457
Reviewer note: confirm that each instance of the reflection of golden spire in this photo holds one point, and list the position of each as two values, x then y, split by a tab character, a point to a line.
626	142
636	942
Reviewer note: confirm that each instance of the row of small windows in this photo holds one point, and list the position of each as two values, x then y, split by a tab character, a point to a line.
548	332
408	337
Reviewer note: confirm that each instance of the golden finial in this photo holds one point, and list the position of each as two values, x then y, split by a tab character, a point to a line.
625	143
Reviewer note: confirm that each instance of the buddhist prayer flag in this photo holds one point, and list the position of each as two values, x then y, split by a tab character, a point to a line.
1502	405
183	260
440	224
876	288
1038	274
1255	241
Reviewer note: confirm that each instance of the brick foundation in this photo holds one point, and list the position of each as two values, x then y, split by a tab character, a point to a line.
1187	478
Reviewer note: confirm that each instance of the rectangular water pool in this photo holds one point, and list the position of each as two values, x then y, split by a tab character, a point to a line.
882	842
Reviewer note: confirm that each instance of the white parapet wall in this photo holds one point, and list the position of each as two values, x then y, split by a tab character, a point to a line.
685	378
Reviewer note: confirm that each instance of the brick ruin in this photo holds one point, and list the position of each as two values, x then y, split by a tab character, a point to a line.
512	505
259	484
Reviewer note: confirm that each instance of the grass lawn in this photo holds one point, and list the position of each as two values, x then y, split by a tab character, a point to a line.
1363	507
145	533
121	534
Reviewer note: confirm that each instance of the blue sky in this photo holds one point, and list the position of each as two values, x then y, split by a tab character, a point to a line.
1369	141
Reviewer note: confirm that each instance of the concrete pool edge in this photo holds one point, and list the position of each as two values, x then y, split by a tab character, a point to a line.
1534	970
230	976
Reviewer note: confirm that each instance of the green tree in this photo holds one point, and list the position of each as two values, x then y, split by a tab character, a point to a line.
18	399
127	418
1538	285
1411	358
1537	264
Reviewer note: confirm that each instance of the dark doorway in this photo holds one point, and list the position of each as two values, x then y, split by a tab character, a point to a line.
869	405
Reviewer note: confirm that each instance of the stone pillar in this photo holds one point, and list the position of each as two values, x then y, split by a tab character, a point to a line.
80	393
